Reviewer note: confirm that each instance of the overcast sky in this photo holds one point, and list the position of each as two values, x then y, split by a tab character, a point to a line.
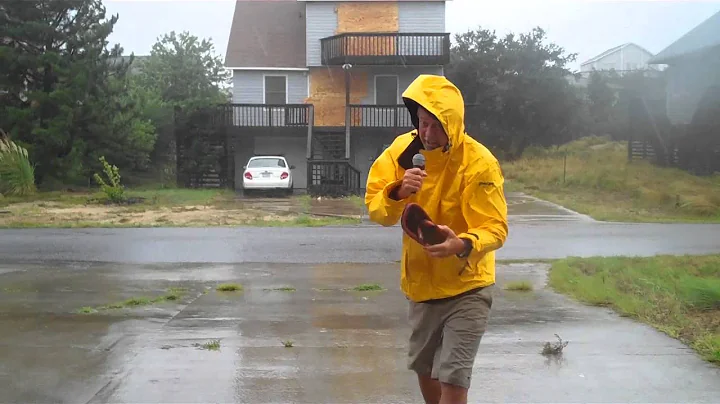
585	27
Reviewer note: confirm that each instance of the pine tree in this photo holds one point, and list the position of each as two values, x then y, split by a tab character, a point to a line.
64	88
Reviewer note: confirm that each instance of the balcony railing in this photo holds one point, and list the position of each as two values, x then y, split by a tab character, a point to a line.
380	116
386	49
268	115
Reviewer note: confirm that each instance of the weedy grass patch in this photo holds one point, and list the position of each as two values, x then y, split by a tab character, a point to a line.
519	286
229	287
173	294
678	295
368	287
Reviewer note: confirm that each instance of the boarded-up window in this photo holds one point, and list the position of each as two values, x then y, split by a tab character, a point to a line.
386	90
275	90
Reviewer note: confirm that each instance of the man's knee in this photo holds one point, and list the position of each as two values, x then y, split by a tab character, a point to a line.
462	333
452	394
457	376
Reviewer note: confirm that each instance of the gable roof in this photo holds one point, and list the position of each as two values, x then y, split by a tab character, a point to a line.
702	37
613	50
267	33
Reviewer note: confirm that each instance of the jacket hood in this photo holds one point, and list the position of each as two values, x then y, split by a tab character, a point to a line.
441	98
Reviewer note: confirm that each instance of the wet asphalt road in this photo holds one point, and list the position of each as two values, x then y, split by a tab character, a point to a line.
367	244
347	347
538	230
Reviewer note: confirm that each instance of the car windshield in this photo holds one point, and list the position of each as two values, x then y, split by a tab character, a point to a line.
267	163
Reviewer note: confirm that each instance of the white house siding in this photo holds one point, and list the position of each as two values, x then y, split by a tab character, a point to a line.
248	85
321	22
418	16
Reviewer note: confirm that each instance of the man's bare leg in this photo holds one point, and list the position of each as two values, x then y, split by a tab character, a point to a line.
430	389
452	394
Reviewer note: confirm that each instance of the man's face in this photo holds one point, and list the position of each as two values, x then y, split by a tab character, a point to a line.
431	130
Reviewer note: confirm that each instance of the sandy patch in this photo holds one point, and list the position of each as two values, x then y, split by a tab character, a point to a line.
58	214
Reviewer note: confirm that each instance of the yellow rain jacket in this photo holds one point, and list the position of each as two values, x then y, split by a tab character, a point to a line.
463	190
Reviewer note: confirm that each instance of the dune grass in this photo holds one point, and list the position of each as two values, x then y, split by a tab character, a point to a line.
678	295
593	176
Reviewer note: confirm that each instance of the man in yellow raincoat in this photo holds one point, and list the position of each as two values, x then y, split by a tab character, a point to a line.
448	285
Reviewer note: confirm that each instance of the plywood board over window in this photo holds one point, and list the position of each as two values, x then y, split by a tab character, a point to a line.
327	94
377	16
368	17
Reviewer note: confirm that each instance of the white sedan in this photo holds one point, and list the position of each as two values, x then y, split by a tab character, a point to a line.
268	173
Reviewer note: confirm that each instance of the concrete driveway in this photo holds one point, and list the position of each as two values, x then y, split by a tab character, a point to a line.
347	346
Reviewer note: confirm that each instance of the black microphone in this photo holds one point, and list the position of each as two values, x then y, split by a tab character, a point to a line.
418	161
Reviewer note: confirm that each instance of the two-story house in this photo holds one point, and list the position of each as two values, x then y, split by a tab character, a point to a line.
624	58
320	81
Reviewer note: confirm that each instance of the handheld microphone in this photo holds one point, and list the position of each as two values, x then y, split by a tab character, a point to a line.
418	161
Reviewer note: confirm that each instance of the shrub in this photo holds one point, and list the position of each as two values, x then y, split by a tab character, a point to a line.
17	174
114	191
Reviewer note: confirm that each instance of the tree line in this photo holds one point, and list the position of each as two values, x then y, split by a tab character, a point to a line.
69	99
519	92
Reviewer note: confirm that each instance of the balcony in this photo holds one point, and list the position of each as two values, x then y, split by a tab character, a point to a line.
268	115
386	49
380	116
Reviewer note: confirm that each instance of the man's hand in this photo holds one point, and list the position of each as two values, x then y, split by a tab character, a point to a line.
411	183
451	246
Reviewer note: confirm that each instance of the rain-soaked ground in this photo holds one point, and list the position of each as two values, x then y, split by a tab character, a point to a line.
520	206
538	230
347	346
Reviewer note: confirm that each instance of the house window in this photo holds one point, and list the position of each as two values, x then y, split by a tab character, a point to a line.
275	90
386	90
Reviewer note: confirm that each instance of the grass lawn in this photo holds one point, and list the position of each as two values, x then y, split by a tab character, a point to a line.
598	180
151	197
678	295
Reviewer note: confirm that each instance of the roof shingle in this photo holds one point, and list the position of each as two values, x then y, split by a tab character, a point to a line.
267	33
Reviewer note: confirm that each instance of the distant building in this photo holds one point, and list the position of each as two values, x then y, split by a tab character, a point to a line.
626	57
693	71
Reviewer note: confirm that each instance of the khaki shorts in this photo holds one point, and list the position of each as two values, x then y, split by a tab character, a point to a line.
446	335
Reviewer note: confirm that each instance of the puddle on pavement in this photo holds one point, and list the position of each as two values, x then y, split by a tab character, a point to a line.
354	322
518	296
524	207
